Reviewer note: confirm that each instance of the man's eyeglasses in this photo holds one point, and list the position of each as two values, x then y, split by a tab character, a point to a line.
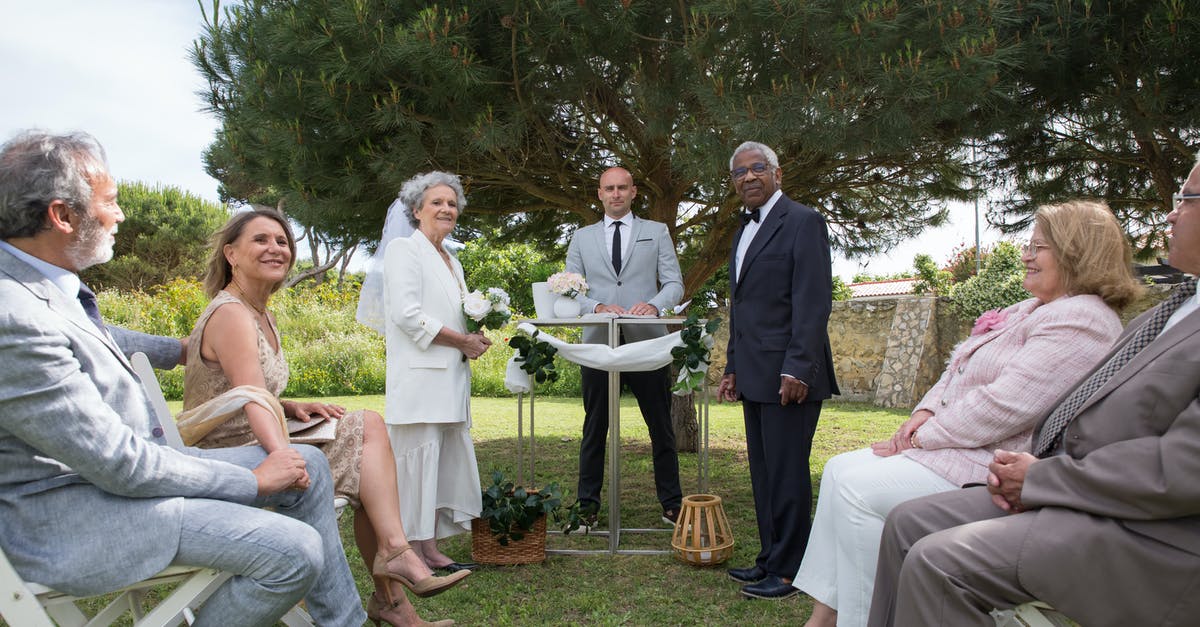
757	168
1179	197
1031	248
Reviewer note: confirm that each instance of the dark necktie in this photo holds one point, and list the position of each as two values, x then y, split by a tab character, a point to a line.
87	298
1057	423
748	216
616	251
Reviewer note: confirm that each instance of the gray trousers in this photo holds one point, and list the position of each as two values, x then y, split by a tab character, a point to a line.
278	558
950	558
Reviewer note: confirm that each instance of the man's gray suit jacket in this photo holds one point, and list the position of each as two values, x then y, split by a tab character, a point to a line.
649	273
89	495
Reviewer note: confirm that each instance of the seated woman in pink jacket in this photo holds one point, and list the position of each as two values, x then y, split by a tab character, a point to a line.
998	383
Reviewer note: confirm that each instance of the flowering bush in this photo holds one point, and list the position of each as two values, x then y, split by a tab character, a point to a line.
567	284
997	287
486	310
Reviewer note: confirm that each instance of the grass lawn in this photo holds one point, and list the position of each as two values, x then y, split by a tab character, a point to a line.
623	589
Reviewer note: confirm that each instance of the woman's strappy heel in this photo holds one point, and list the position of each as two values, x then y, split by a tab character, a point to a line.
426	587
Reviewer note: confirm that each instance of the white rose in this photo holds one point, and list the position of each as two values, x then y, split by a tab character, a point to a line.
476	305
499	296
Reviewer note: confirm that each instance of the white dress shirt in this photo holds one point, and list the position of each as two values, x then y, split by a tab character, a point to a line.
626	235
752	229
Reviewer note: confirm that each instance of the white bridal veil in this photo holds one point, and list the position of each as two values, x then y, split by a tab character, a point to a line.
370	300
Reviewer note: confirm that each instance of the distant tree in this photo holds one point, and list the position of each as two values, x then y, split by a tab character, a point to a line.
931	279
334	104
164	237
997	286
325	255
841	291
1104	106
511	267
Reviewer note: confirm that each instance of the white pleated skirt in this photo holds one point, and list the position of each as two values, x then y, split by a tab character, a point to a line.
438	478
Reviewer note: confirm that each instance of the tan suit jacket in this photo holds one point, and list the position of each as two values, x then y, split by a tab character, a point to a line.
1133	450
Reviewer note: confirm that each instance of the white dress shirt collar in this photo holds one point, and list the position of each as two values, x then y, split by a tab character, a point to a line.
626	220
62	278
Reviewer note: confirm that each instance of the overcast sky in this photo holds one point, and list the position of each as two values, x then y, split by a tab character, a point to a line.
119	69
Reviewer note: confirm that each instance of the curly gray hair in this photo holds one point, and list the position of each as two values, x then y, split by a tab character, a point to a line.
37	168
412	193
767	153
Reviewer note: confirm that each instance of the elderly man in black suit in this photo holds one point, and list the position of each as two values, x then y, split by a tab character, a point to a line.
778	359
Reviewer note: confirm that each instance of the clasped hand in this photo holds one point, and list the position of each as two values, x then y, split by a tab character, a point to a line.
640	309
474	345
1006	478
903	438
283	468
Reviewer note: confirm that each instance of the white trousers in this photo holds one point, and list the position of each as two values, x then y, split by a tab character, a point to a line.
858	489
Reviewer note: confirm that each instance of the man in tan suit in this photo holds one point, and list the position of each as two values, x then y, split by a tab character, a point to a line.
1102	521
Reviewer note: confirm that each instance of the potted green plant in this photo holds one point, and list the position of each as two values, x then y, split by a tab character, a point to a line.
511	528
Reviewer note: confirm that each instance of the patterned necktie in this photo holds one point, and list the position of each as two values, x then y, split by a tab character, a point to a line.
616	251
1054	426
87	298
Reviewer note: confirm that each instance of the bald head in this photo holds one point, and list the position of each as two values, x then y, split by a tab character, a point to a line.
616	192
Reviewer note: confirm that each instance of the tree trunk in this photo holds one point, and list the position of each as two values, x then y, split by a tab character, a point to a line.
683	419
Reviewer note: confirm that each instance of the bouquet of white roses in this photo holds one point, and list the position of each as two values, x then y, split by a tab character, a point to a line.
567	284
487	309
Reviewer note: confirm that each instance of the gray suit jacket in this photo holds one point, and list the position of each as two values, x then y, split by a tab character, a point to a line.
649	273
88	496
163	352
1132	453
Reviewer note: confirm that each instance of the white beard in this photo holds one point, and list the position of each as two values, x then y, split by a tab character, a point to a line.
92	246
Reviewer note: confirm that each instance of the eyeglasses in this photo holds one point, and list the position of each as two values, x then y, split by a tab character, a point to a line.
757	168
1031	248
1179	197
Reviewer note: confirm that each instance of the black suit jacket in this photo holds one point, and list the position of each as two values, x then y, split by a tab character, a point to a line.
779	310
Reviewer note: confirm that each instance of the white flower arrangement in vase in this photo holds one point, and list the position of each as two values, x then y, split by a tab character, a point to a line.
567	284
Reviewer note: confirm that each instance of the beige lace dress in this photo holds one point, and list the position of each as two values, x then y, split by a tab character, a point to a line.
204	380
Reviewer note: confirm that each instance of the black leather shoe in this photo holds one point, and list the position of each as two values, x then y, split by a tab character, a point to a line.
754	574
454	567
772	587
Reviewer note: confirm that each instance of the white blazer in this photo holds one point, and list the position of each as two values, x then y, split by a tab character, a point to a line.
426	382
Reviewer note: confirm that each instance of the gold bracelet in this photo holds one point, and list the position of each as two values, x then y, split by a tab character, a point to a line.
912	440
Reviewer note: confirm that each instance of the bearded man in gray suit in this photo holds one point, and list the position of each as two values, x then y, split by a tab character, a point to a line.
631	268
1102	519
90	497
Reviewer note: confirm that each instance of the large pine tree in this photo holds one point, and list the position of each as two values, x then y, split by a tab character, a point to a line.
330	105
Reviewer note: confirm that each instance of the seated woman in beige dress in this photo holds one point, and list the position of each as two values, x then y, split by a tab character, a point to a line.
236	343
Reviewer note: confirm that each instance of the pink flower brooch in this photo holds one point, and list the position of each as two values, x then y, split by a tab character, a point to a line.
988	320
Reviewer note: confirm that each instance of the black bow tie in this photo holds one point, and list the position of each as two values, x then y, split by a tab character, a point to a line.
748	216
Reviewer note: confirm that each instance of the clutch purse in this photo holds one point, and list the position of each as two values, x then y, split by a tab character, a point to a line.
319	430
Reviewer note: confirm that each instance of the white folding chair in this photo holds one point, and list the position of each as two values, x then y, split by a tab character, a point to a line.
297	616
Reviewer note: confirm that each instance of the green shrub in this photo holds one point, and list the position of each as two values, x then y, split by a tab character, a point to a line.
510	267
998	286
329	353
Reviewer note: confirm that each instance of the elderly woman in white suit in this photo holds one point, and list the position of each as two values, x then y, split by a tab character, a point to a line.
428	409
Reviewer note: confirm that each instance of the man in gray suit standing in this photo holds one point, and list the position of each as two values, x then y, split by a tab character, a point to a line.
631	268
1102	519
90	497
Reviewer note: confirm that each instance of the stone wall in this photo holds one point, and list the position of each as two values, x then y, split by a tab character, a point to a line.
890	351
858	332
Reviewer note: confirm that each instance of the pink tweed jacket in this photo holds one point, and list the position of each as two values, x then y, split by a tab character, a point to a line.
998	384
